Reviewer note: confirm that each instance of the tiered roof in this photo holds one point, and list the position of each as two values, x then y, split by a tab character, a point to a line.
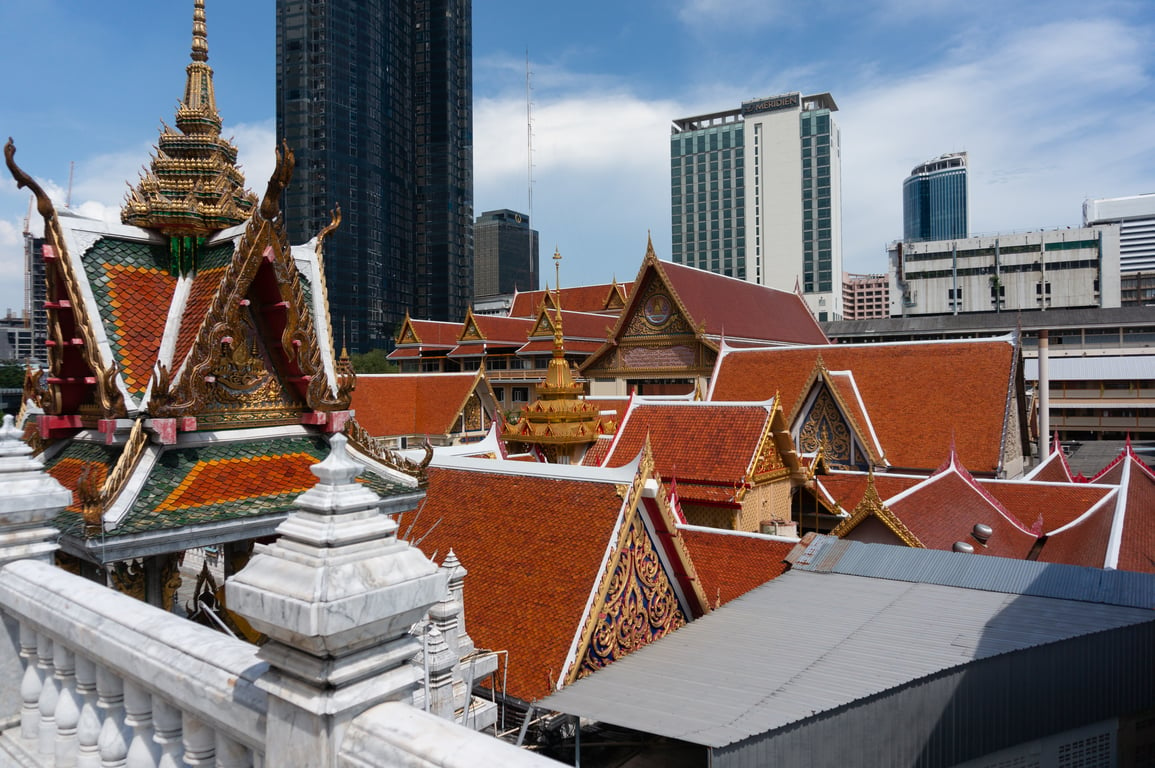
589	571
605	299
922	397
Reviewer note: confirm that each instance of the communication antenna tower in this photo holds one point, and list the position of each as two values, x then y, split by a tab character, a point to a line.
71	169
529	163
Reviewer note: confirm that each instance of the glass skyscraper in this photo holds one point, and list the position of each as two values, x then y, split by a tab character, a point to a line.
375	99
755	194
934	200
505	253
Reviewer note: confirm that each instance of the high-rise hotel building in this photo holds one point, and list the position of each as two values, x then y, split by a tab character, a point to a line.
755	193
375	99
934	200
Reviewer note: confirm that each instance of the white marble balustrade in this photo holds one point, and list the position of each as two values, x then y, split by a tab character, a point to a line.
110	681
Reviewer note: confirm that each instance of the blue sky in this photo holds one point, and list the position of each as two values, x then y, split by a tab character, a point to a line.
1054	101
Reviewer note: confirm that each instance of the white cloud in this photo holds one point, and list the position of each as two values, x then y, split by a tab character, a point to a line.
721	12
1034	119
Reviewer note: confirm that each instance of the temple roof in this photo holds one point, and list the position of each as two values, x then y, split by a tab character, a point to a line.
731	563
922	397
193	186
392	404
605	299
537	540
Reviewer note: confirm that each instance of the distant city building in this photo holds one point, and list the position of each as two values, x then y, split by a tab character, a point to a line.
15	339
755	193
934	200
35	295
1047	269
1137	289
375	99
865	296
1135	216
505	252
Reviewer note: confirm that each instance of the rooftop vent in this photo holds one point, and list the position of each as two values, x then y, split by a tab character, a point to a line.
982	532
964	547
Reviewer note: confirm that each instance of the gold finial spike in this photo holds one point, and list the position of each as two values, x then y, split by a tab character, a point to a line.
650	246
200	43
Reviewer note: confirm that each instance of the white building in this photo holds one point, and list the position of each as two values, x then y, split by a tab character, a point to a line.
1135	216
756	194
1045	269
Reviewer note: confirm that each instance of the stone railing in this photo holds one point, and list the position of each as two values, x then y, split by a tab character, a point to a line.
107	678
93	678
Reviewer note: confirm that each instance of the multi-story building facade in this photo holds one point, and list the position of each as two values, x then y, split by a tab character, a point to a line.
934	200
865	296
1045	269
755	193
505	254
35	297
375	100
1135	216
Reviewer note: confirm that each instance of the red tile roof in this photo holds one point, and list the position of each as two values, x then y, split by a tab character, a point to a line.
848	488
533	548
730	564
1048	505
597	452
946	507
139	302
922	397
204	287
1083	543
693	441
735	308
1054	469
582	298
435	333
1137	540
394	404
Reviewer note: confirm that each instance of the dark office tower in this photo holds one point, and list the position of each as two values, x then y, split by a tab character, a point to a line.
505	254
375	99
934	200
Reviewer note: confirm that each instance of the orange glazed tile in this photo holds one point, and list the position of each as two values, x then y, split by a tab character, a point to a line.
224	480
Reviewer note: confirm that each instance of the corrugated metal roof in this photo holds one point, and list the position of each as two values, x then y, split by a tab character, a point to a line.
826	554
809	642
1093	368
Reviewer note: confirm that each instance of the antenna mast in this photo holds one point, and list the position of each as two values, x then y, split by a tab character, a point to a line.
534	278
71	169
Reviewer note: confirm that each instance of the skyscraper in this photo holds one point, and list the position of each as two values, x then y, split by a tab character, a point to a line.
934	200
505	253
755	193
375	98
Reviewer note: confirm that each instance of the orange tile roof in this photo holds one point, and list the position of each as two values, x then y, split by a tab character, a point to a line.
139	302
436	333
1084	543
582	298
732	307
1137	542
946	507
729	565
693	441
1048	505
1054	469
597	452
509	331
395	404
533	548
922	397
204	287
848	488
578	325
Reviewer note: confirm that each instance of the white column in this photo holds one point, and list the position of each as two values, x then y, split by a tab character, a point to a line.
67	708
166	720
143	751
49	693
199	742
30	685
88	724
114	734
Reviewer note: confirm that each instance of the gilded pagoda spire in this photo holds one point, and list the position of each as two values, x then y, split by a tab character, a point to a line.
193	186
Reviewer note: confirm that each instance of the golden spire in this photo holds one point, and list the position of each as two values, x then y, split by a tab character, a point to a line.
193	186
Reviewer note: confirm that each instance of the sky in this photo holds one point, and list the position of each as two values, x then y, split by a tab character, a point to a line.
1054	102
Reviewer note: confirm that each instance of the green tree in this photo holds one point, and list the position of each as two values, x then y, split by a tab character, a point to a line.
11	376
373	361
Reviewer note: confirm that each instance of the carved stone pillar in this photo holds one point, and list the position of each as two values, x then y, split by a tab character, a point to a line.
336	595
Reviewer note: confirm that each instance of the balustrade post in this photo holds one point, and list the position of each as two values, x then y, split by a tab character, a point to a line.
114	733
49	694
199	742
67	708
88	724
230	754
143	751
348	648
30	685
166	720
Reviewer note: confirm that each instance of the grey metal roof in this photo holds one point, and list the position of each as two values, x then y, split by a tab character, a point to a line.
826	554
809	642
1094	368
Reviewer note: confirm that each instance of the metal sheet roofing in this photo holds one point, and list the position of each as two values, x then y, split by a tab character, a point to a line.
810	642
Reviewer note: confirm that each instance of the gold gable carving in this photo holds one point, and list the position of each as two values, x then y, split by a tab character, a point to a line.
871	505
59	274
228	339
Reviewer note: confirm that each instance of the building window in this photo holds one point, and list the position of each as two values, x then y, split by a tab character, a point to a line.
520	394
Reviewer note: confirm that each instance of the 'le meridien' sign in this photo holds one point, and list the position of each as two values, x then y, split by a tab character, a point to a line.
772	104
